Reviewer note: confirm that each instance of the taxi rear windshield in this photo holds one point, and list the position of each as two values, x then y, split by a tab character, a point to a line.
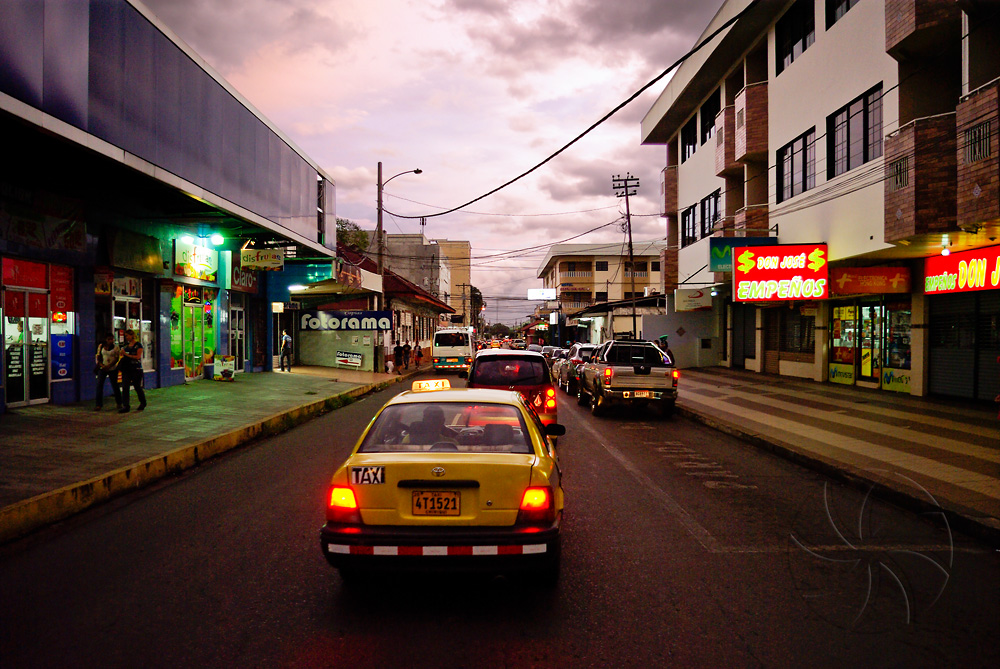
451	339
448	427
509	371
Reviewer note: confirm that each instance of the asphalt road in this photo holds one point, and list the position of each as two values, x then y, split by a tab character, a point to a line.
681	547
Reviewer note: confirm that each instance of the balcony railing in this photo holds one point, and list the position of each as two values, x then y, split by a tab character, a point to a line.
577	275
637	275
725	142
920	182
751	123
917	27
978	170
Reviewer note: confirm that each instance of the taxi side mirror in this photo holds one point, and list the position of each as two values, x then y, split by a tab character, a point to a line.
555	430
463	374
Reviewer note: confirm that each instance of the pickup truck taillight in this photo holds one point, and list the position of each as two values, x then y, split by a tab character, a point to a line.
674	375
608	373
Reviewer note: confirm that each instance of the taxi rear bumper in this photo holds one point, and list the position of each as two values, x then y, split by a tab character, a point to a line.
467	548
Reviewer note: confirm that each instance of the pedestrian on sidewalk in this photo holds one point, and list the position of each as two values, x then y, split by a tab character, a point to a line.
286	351
397	357
130	366
418	355
406	354
107	358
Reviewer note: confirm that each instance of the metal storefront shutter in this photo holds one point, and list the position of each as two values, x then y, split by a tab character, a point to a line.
988	345
952	344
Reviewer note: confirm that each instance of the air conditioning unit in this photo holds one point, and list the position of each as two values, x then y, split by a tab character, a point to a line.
647	291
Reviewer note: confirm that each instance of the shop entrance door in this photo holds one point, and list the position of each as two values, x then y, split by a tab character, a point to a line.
870	343
194	341
26	347
237	336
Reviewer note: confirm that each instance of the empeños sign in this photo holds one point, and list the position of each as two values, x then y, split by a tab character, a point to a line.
978	269
778	273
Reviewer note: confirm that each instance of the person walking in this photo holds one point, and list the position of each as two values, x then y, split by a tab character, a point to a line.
131	369
406	354
286	351
107	358
397	357
418	354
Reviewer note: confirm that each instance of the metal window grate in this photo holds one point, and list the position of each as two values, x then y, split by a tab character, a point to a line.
977	143
899	174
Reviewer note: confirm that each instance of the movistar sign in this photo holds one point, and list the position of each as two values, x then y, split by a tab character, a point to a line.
720	254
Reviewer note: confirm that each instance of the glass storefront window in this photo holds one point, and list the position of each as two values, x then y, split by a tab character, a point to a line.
133	309
897	350
843	335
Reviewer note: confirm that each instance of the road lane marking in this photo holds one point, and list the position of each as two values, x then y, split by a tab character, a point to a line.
693	527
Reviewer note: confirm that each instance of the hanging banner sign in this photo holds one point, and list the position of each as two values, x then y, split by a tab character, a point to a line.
268	259
869	280
314	321
692	299
348	358
61	292
963	272
243	280
780	273
196	262
720	250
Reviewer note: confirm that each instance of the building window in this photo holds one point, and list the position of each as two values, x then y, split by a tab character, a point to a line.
601	265
709	110
977	143
899	174
709	213
854	133
689	138
569	266
798	332
835	10
797	166
601	296
654	266
794	33
689	226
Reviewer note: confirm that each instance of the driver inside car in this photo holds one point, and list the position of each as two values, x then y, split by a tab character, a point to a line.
432	429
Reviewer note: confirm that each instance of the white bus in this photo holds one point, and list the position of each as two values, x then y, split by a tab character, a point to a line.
452	349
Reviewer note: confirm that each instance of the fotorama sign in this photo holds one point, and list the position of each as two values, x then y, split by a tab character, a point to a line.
963	272
780	273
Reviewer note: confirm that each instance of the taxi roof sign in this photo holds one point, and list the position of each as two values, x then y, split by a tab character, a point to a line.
433	384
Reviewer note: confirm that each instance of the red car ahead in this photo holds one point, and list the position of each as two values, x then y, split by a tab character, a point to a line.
524	371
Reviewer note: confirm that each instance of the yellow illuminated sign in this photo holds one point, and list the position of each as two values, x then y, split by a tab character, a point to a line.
433	384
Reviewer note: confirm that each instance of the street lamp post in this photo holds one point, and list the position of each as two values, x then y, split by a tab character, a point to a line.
378	235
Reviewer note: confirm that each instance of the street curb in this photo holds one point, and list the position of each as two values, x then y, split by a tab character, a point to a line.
22	518
986	529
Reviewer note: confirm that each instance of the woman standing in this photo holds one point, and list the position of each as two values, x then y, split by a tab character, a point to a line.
131	366
107	357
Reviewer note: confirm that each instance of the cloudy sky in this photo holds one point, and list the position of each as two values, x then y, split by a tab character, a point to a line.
473	92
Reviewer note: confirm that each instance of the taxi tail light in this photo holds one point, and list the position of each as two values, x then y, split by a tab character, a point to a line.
342	506
537	505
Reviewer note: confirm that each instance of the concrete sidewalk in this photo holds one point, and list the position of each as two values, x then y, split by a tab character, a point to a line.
922	453
59	460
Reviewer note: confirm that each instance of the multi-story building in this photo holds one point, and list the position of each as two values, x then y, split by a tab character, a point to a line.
587	274
420	261
458	258
863	132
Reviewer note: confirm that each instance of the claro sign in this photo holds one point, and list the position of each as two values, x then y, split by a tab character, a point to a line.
778	273
978	269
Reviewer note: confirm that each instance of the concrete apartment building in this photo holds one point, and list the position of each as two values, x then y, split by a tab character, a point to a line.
458	258
860	136
587	274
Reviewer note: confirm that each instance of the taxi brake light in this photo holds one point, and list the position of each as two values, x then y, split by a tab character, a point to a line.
343	498
550	392
536	506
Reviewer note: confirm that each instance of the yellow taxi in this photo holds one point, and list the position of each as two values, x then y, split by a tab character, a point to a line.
449	479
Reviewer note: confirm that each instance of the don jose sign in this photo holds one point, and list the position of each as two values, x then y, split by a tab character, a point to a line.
978	269
320	321
778	273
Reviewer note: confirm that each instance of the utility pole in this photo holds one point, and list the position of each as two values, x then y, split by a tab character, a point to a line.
627	187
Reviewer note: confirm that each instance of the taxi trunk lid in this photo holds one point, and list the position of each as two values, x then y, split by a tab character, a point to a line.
449	489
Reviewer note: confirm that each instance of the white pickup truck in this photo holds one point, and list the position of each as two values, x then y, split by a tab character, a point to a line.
632	372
